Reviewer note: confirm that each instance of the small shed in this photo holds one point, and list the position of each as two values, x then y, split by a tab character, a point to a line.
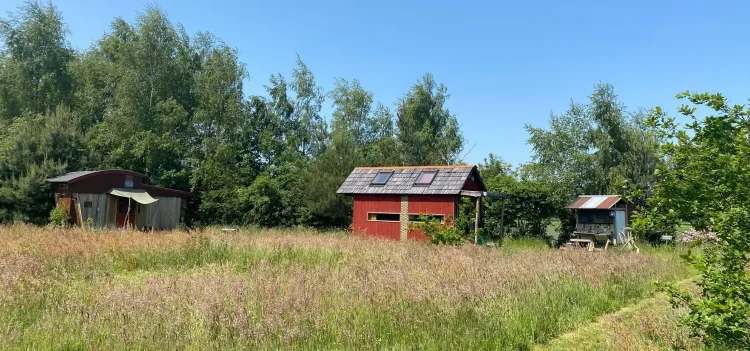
602	214
386	199
119	198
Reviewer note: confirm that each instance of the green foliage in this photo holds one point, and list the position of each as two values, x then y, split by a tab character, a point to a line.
58	217
88	223
32	149
439	233
704	181
528	208
34	77
428	134
651	223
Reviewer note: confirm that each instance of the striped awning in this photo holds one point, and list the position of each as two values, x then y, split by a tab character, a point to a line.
601	202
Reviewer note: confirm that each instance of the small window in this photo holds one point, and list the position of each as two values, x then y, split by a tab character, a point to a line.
128	181
384	217
381	178
415	217
88	204
63	186
425	178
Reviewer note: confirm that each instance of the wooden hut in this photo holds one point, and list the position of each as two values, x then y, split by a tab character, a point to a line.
387	198
119	198
601	215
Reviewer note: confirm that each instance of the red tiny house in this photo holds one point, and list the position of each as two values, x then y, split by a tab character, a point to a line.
387	199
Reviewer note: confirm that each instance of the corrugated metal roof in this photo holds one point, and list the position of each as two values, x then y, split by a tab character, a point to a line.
449	180
601	202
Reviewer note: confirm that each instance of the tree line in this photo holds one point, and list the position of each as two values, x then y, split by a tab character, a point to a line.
149	97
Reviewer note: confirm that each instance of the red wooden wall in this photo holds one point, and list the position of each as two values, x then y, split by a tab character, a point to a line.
426	204
430	204
380	204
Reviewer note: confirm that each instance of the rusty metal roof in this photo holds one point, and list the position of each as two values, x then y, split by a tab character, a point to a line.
601	202
449	180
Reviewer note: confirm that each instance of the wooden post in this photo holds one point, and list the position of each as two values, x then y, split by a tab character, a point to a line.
476	222
153	215
126	225
502	221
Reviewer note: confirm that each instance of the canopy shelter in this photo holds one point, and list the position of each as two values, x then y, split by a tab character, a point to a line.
138	195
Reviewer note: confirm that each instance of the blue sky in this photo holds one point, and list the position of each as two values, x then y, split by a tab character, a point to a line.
505	64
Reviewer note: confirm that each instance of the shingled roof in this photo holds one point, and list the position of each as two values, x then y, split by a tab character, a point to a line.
449	180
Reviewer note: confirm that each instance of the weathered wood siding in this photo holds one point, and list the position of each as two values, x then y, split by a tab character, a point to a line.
163	214
103	209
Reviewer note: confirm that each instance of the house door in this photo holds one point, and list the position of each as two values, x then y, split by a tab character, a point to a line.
122	212
619	225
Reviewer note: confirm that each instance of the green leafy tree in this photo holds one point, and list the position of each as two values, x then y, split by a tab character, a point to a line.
34	77
32	149
151	98
704	180
307	127
427	134
358	137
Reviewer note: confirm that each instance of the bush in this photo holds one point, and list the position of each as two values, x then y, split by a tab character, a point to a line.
439	232
58	217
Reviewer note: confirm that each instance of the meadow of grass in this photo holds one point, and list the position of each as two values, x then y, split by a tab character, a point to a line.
297	289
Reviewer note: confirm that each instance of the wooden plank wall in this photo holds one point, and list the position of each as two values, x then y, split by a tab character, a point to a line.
430	204
102	210
364	204
164	214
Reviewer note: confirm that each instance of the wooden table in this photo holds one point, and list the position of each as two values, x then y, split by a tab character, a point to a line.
592	239
578	242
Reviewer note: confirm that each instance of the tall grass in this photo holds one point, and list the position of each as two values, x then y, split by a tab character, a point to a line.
77	289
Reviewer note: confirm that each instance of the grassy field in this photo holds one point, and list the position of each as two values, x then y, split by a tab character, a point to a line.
650	324
113	290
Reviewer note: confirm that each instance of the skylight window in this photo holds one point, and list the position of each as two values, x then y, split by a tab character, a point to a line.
425	178
381	178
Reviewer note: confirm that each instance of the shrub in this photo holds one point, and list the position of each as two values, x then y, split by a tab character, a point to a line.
439	232
58	217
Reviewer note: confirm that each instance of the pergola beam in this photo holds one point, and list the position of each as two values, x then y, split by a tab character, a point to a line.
472	193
